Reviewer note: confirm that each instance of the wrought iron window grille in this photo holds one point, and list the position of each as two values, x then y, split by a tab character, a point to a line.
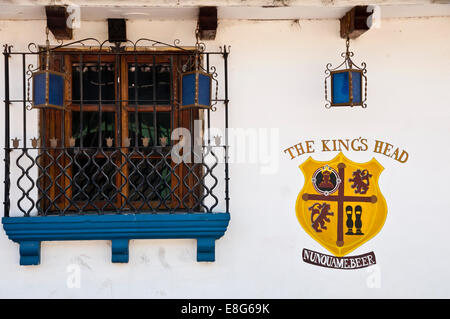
117	159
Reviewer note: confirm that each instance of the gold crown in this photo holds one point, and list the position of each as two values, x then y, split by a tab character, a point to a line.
327	169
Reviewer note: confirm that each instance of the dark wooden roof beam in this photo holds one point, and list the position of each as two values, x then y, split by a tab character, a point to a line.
207	23
355	22
57	18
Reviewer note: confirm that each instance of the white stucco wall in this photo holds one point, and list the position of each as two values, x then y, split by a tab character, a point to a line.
276	72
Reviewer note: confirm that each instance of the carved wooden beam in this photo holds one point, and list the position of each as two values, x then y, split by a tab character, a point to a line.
355	22
207	23
57	17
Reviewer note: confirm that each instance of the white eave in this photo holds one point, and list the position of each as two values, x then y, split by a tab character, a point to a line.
227	9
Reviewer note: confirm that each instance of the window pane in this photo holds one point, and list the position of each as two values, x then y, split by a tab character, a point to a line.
164	127
145	127
142	74
91	83
91	128
163	84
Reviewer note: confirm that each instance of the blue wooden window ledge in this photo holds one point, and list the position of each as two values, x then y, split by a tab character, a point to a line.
29	232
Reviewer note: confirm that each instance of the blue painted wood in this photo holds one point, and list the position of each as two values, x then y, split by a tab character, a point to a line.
206	248
30	253
30	231
119	249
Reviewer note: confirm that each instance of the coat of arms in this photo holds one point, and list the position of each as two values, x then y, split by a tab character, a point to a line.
341	205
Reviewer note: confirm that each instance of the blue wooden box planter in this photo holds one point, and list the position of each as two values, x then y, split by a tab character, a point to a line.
29	232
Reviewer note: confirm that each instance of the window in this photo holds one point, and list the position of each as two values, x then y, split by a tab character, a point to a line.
114	152
107	153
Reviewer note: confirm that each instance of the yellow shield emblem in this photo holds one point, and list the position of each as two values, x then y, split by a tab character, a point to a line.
340	204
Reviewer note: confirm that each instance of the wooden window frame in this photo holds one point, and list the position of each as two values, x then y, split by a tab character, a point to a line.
179	118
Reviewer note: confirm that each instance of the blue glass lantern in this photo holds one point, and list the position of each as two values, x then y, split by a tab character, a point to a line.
196	82
196	90
48	89
348	85
48	86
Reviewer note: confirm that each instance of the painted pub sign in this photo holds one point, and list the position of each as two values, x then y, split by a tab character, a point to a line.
341	207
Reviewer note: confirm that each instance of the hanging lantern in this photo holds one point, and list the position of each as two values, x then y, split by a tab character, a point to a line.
48	86
196	85
196	90
346	82
48	89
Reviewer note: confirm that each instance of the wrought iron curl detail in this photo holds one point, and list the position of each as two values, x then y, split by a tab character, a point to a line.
156	43
214	75
36	49
30	70
225	49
